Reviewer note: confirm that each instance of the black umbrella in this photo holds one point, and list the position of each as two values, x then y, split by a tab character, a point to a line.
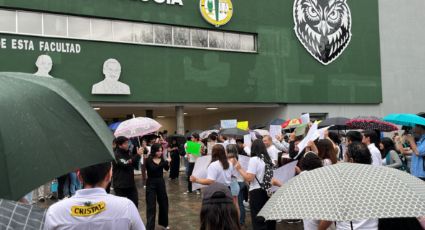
337	123
15	215
233	132
189	134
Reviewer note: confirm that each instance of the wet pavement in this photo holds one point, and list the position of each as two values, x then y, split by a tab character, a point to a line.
184	209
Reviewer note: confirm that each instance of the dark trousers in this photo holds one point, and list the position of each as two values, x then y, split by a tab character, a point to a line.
156	192
175	165
257	199
130	193
189	184
61	186
241	198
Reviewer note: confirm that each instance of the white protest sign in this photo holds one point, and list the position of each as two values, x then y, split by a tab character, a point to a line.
305	118
201	170
247	140
275	130
228	124
253	135
312	135
322	132
284	173
244	162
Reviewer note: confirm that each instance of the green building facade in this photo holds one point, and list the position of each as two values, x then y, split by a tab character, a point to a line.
255	58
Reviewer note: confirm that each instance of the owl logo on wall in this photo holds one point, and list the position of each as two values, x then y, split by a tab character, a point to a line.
323	27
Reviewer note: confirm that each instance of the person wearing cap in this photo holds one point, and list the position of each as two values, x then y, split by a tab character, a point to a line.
123	170
92	207
218	210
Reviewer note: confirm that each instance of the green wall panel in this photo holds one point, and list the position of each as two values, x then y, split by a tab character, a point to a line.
281	72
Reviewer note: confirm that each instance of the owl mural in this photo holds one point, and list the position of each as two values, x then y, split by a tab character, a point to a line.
323	27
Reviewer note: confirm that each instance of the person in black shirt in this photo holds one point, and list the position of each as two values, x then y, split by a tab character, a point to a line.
155	187
173	149
123	171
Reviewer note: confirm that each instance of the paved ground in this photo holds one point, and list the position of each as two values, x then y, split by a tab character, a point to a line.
184	209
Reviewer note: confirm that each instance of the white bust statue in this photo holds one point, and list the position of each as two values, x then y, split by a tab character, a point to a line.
44	65
111	85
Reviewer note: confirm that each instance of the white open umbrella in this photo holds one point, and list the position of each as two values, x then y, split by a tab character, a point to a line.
346	192
137	126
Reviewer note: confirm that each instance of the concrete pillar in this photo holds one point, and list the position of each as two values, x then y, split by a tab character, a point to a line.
180	119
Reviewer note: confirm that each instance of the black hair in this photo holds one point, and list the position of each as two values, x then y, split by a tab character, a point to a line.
354	136
310	161
373	136
213	136
388	146
95	174
410	223
121	140
154	149
232	151
219	154
196	136
334	137
360	153
223	216
258	149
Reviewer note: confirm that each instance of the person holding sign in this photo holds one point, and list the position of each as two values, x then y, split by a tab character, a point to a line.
194	149
155	187
220	170
260	175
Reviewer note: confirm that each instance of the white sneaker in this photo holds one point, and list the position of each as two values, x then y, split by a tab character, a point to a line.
197	192
186	193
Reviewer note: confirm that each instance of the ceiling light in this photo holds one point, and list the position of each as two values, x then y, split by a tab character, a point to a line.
160	117
96	108
212	108
185	113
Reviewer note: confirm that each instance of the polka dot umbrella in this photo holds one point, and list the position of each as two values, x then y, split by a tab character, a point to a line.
346	192
371	123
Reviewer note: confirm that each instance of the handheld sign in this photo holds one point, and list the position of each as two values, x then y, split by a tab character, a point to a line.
193	148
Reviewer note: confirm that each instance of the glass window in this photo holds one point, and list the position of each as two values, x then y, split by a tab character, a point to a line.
101	29
123	31
181	36
232	41
216	39
54	25
199	38
29	23
143	33
7	21
79	27
247	42
163	34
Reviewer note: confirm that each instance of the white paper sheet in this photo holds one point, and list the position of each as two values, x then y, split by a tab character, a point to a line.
200	170
305	118
322	132
228	124
244	162
247	140
312	135
284	173
253	136
275	130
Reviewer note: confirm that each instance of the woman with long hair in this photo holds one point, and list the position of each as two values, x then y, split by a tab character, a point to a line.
390	156
218	211
260	175
173	150
220	170
232	155
327	152
155	187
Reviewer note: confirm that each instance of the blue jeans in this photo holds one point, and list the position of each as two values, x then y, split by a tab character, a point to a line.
241	198
72	183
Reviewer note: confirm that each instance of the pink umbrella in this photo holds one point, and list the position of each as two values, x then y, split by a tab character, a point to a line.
371	123
136	127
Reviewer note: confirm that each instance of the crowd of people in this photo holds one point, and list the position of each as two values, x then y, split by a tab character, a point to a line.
225	195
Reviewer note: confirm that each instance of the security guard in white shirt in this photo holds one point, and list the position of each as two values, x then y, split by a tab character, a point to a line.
92	207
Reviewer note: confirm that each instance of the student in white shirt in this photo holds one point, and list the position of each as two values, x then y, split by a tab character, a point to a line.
356	153
271	149
255	176
371	139
220	170
92	207
192	159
